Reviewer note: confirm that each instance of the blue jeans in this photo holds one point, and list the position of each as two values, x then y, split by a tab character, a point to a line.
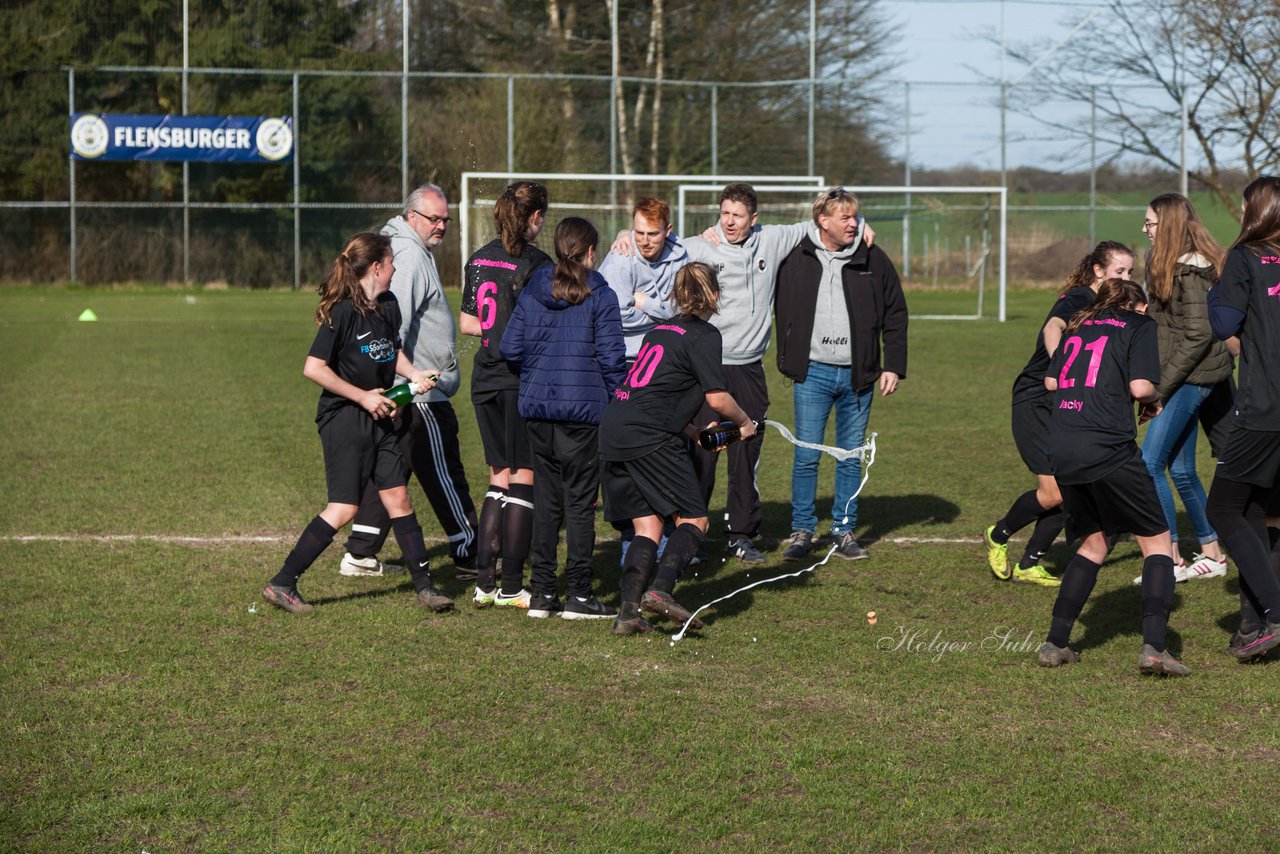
825	387
1171	442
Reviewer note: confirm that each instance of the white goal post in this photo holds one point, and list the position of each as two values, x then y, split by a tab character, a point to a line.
606	185
926	203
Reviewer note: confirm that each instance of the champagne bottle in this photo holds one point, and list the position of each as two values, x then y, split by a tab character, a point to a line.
724	433
401	395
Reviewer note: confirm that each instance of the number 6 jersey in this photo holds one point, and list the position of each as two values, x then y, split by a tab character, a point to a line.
678	363
1092	430
493	282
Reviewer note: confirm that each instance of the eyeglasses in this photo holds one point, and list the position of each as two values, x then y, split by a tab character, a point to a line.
434	220
1147	224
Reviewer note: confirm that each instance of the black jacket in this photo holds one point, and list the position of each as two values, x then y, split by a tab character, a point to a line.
875	302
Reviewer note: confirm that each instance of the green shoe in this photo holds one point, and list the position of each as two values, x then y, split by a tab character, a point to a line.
1036	575
997	556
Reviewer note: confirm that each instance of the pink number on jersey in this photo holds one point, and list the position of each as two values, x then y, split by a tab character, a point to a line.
487	301
1095	360
646	363
1072	348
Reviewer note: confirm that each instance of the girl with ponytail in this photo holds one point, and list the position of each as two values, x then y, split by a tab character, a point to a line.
565	341
1043	505
355	356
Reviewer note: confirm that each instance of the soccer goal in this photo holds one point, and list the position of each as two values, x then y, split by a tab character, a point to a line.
604	198
947	239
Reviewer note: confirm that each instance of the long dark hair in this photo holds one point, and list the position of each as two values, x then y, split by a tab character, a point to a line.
1179	232
343	282
1113	295
512	212
1260	226
575	237
1082	275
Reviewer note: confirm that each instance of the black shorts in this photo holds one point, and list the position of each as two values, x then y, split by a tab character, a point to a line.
1031	433
1250	456
1125	501
502	431
660	483
357	448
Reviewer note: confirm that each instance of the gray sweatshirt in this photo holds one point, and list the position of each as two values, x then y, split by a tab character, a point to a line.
426	326
748	275
633	274
830	342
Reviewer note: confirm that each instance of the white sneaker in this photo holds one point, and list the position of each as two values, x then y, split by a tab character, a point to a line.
1180	572
516	600
1206	567
366	567
484	598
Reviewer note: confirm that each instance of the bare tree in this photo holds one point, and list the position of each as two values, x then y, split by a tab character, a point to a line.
1138	61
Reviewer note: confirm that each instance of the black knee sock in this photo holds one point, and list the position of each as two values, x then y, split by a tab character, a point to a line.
489	537
1048	526
1026	508
635	573
409	536
1077	583
517	528
1236	512
681	547
315	538
1157	598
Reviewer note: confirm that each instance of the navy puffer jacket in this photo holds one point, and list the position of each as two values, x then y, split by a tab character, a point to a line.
570	357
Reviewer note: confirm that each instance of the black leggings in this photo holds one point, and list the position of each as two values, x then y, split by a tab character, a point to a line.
1237	512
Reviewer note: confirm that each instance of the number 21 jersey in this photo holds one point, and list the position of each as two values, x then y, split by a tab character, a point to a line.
1092	430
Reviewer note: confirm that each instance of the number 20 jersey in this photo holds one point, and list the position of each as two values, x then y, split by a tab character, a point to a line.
677	364
1092	430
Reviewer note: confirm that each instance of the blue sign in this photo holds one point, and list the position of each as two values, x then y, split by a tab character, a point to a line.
220	139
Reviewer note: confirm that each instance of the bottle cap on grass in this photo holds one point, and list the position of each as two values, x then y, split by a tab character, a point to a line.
88	315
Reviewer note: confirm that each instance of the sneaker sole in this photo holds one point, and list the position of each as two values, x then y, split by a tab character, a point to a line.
578	615
1039	582
361	573
1159	668
851	557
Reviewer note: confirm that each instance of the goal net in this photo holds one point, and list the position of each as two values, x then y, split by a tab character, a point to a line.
948	241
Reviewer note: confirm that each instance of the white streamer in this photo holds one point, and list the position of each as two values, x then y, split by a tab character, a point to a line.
868	454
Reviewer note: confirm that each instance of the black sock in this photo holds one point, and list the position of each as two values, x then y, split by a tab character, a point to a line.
489	537
1048	526
1026	508
315	538
681	547
517	528
1157	598
1077	583
409	536
635	573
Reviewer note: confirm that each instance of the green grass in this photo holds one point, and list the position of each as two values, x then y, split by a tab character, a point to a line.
152	702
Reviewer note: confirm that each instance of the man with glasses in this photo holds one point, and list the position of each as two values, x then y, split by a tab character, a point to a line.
429	426
837	300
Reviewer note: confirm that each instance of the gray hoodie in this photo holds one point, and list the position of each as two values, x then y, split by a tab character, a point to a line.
633	274
748	274
426	326
830	342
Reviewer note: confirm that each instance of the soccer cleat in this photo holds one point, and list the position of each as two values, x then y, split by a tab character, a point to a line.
585	608
1056	656
541	606
433	598
848	548
658	603
1180	572
512	600
287	598
636	625
484	598
742	549
366	567
1161	663
1036	574
1241	637
698	556
1268	638
1203	566
799	544
997	556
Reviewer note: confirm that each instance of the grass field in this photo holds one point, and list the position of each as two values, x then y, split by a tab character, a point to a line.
152	702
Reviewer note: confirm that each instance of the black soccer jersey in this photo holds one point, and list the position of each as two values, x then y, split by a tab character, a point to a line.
493	282
360	348
1092	429
1030	383
677	364
1251	284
